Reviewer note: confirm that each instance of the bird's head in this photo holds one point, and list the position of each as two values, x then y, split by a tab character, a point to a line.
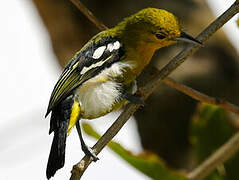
154	27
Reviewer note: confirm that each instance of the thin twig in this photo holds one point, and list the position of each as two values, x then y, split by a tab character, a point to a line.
146	90
89	14
200	96
219	157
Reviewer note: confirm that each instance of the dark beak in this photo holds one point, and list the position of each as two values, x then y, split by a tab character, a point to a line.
187	38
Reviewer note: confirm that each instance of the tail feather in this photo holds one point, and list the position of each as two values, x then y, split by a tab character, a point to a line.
59	125
56	158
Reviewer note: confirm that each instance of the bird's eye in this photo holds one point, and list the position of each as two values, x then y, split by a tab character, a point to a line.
160	36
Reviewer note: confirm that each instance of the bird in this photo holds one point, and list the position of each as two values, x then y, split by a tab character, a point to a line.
101	77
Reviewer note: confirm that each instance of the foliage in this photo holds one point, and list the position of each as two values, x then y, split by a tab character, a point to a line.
210	129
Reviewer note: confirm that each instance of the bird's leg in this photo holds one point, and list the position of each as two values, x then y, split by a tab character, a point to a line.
133	98
87	150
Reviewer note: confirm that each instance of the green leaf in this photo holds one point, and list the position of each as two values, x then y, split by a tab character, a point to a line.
210	129
148	163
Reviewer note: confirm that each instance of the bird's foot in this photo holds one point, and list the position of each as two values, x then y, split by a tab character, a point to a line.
89	151
133	98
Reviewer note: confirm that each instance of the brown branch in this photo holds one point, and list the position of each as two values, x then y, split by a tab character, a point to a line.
219	157
146	90
200	96
89	15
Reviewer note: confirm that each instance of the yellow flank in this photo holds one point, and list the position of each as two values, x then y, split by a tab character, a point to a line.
75	113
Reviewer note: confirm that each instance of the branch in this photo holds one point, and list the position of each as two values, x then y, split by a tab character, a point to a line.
219	157
200	96
89	15
146	90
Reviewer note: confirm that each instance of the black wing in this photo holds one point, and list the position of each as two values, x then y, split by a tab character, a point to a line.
90	61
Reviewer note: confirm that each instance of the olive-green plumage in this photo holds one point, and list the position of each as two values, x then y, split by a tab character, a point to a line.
138	34
100	77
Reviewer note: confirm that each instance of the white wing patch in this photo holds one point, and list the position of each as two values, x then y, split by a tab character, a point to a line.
110	47
99	52
113	46
85	69
116	45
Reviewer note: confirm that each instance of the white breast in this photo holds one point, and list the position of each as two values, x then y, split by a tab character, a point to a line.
98	95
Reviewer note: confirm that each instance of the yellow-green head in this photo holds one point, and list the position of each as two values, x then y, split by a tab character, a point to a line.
151	27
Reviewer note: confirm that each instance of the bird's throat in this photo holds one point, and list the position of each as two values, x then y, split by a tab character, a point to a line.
141	56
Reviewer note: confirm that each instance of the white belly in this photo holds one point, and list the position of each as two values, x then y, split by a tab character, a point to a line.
97	99
98	95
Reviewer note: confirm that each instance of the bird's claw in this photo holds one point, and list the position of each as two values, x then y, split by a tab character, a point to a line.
89	151
133	98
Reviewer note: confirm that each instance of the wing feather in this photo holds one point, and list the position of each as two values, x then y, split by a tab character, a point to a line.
83	66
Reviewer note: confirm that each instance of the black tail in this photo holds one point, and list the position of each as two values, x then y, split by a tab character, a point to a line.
59	125
56	158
